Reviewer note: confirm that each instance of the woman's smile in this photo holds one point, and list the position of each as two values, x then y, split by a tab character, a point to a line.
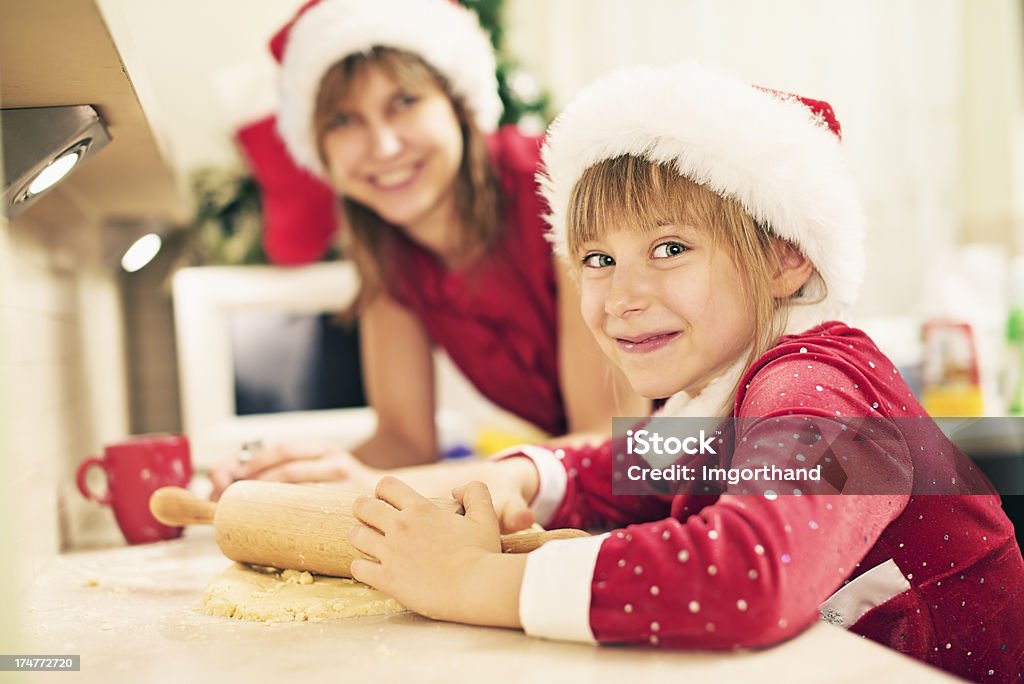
397	151
396	179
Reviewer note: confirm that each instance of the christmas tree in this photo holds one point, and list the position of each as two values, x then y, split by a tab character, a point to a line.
525	102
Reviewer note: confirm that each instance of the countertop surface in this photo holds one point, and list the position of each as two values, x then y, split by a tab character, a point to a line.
133	615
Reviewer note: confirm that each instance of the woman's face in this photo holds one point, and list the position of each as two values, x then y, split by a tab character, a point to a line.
666	306
395	149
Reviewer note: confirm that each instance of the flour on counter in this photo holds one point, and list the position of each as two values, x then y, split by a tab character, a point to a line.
271	595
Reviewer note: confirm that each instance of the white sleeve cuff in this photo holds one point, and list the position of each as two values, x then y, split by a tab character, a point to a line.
552	479
554	598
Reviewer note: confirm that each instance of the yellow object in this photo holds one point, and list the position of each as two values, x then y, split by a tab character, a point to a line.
953	401
490	441
951	379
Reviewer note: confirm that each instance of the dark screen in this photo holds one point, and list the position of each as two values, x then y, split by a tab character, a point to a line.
286	361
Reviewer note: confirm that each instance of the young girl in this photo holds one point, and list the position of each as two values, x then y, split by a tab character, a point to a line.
717	238
394	103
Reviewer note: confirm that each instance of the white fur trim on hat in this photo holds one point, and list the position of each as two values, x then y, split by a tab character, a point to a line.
446	36
742	142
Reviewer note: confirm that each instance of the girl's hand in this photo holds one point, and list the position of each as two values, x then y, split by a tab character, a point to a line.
512	484
443	566
322	463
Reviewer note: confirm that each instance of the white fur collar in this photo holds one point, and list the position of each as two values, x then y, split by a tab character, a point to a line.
712	401
717	397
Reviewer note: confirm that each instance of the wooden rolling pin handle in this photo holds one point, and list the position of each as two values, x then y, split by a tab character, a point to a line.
528	541
177	507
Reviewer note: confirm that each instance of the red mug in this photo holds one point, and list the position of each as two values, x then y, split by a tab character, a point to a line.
135	468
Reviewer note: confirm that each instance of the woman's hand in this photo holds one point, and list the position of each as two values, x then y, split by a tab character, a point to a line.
443	566
311	462
512	483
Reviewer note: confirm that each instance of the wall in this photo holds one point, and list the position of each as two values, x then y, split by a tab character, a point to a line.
199	68
10	632
62	371
991	182
150	344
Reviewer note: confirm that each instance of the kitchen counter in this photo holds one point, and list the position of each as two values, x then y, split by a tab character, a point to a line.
133	614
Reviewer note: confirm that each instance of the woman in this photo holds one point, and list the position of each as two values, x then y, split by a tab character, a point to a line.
389	102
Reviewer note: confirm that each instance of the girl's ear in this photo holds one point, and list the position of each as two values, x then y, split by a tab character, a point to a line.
792	270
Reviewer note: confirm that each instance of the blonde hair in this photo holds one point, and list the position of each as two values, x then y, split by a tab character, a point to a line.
634	194
477	198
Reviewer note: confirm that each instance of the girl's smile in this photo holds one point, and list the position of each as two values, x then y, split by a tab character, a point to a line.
641	344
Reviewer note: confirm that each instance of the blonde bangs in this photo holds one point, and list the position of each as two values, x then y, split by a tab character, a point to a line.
630	193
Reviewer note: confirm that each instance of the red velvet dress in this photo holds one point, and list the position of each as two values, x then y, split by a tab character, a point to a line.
746	570
498	320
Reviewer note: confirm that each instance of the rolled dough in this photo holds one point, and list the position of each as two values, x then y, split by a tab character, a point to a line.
270	595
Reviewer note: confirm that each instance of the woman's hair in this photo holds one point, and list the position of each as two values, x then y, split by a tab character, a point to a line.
635	194
477	199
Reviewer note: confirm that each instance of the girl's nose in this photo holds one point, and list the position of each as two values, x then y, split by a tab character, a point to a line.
629	294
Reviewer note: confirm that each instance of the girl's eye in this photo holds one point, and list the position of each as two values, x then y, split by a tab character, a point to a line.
597	260
669	249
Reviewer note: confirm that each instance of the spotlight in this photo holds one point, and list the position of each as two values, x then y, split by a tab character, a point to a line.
42	145
131	243
141	252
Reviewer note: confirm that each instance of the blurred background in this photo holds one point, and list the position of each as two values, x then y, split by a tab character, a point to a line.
930	94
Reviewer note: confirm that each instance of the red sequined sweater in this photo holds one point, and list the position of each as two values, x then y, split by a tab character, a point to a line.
935	576
498	320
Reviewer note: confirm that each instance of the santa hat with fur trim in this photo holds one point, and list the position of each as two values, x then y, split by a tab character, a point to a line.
445	35
778	155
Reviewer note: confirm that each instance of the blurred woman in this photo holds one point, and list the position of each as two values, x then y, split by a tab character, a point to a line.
394	103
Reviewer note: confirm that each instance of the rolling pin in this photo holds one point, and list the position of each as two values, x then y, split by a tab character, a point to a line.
296	527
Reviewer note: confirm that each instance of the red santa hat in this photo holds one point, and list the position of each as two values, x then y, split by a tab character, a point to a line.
300	214
444	34
776	154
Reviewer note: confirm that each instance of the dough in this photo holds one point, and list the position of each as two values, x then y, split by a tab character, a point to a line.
271	595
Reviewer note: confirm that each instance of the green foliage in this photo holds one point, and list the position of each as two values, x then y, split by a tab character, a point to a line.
229	220
489	12
521	103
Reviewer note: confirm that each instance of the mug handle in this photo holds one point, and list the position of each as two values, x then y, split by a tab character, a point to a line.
83	487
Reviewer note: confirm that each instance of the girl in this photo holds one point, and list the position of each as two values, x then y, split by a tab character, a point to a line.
389	101
717	237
